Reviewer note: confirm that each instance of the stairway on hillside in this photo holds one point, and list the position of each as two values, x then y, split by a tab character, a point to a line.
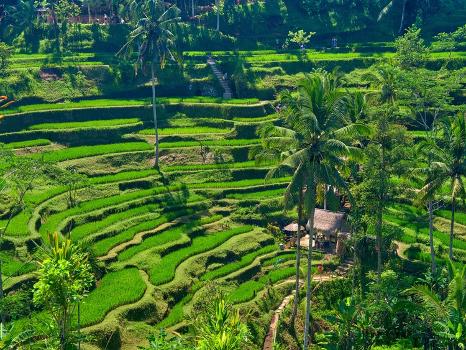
344	267
227	94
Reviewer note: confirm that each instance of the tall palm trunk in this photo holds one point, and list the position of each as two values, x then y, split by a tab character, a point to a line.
431	236
378	240
2	316
88	11
403	16
312	195
452	226
218	14
55	26
298	257
154	111
379	219
2	293
325	196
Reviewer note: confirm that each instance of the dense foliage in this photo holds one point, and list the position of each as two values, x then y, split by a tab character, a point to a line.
354	107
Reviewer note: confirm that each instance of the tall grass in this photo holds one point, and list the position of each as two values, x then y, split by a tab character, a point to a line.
240	183
195	167
187	131
212	143
170	235
257	195
409	221
248	290
115	289
460	217
29	143
89	151
103	246
136	214
86	124
236	265
125	102
53	220
164	271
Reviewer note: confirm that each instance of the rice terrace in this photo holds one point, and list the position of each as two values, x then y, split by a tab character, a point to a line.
233	175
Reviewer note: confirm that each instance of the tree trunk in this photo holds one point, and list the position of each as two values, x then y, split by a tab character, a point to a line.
325	197
403	15
88	11
298	257
55	27
63	332
79	325
378	243
192	8
218	14
431	237
2	316
154	111
309	267
379	219
2	293
452	227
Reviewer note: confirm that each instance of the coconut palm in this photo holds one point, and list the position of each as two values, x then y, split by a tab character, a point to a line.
449	165
403	5
155	38
447	316
384	77
315	145
429	148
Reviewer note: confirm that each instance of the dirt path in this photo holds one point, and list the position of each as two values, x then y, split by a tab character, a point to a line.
272	333
401	248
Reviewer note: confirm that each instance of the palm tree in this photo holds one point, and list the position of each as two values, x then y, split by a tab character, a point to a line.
429	148
385	78
449	165
315	144
387	9
217	5
155	38
447	316
416	5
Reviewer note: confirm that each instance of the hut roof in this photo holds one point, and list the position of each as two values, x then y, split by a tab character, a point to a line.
293	227
328	222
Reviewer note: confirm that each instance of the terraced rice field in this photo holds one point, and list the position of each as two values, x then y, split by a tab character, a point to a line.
175	229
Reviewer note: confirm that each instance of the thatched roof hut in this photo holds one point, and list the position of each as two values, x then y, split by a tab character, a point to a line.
293	227
328	223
